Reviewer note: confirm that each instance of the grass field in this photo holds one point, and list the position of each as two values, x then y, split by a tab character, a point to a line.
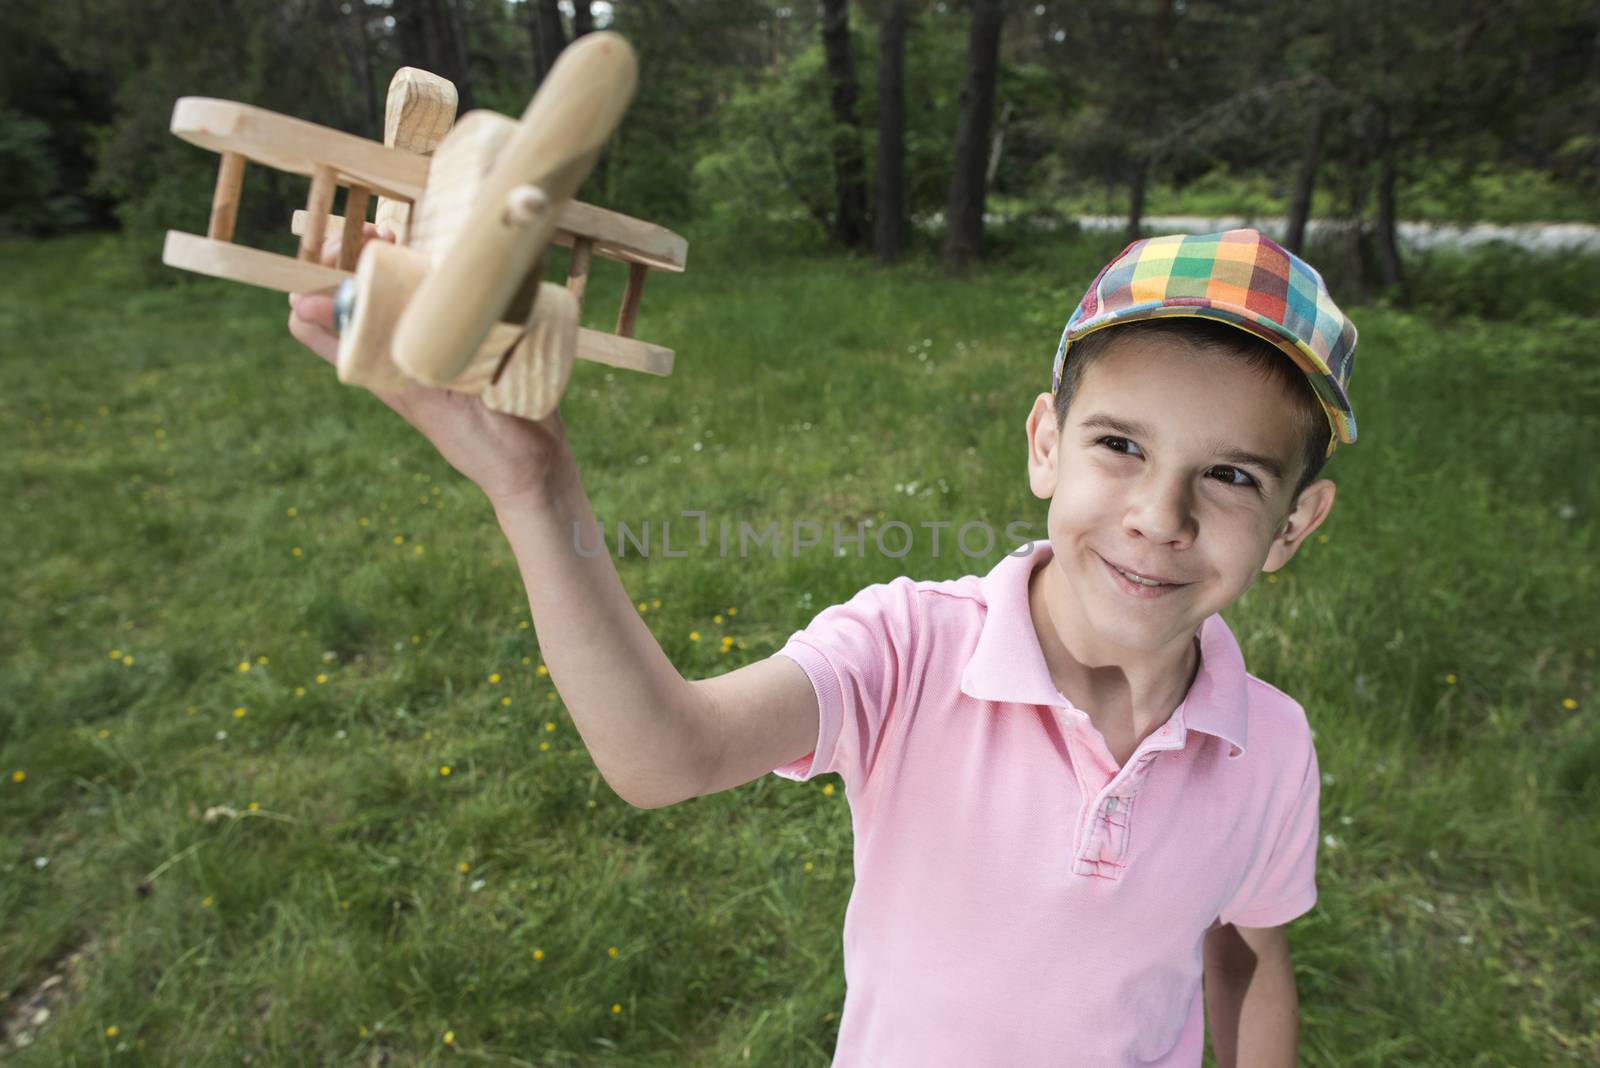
284	782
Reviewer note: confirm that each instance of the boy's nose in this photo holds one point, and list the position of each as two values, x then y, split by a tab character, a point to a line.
1161	510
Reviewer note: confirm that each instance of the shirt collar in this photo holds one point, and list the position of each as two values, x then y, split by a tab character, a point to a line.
1008	665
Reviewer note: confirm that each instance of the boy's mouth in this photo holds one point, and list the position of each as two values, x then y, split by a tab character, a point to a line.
1138	580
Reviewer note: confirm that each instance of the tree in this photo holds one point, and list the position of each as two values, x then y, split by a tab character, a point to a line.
964	216
849	165
549	36
890	215
431	36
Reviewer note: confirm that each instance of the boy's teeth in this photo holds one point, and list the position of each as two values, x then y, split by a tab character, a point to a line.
1135	578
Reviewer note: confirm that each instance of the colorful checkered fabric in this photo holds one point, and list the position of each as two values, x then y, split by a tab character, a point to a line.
1238	277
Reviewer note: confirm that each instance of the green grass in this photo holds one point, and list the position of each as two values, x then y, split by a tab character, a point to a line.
159	430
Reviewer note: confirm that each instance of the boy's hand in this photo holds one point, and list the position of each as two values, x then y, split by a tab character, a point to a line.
505	456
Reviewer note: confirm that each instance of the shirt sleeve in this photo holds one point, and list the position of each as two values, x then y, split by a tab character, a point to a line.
1282	881
854	654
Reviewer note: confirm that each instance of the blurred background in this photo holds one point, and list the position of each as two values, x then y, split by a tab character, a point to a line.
283	778
882	127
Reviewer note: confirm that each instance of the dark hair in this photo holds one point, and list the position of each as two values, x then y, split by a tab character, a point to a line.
1212	337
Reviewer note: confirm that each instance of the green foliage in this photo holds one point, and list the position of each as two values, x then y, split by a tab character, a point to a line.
769	162
1506	282
31	198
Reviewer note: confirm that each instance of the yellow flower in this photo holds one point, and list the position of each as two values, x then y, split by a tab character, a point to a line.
523	625
238	713
104	733
1450	680
292	511
538	954
111	1032
717	620
444	769
1568	703
416	639
1271	579
694	635
295	551
827	791
616	1009
18	775
207	901
505	700
656	603
808	865
544	747
495	677
418	550
463	867
398	540
549	726
733	611
321	679
449	1038
299	691
244	665
363	521
613	952
643	607
261	660
116	654
255	806
1323	538
550	697
127	661
527	660
541	671
362	1031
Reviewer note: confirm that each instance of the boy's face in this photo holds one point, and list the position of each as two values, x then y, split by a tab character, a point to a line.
1179	468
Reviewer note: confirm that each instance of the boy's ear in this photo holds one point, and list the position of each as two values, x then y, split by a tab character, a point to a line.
1043	439
1315	502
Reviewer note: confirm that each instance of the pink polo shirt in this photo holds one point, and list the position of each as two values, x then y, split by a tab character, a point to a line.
1020	900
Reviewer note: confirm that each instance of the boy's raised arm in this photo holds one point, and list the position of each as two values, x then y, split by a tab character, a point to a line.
656	737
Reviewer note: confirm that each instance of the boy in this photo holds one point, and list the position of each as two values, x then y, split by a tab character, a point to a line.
1068	798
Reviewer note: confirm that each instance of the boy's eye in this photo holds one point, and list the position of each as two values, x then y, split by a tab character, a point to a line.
1116	444
1232	476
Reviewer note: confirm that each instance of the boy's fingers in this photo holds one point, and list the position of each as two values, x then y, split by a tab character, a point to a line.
322	342
332	246
315	308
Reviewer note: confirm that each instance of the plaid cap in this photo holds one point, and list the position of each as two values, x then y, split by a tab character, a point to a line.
1238	277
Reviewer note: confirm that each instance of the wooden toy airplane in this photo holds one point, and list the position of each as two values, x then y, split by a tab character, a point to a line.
459	301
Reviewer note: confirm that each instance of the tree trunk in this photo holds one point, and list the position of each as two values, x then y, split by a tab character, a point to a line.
427	33
1136	184
891	207
1305	184
849	164
1390	270
997	145
549	36
964	216
582	19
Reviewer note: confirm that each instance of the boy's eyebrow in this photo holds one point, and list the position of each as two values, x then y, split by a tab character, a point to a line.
1230	453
